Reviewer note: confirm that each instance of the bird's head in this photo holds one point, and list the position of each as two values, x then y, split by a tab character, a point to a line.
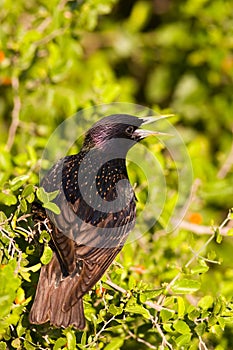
118	131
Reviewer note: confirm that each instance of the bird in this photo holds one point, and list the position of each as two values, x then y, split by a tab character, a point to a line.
97	211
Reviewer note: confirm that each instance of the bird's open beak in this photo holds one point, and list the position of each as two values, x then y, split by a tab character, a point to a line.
141	134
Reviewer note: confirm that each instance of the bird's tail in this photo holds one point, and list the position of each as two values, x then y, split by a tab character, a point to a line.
50	296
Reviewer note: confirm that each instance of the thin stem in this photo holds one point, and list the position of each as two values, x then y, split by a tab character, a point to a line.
15	114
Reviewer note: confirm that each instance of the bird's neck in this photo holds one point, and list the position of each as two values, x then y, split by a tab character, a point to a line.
114	158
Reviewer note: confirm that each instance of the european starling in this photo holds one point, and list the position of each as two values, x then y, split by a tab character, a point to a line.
97	212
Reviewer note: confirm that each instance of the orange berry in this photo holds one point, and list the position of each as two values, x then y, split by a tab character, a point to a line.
2	56
100	291
6	81
227	64
195	218
19	301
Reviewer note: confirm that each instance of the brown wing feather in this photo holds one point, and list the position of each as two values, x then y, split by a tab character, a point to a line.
95	262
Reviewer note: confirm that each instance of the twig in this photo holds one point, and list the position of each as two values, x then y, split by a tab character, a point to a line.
115	286
62	4
102	329
49	37
15	114
151	304
12	248
202	345
197	254
226	167
158	307
201	229
36	346
164	340
44	24
140	340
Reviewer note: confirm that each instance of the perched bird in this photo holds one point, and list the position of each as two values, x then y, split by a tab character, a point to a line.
97	212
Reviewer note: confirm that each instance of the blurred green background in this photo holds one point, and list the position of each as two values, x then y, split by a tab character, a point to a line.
59	57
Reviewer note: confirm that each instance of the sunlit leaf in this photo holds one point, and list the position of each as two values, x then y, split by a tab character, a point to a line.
47	255
185	286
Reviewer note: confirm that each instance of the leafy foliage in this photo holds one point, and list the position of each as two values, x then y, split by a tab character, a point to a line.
165	291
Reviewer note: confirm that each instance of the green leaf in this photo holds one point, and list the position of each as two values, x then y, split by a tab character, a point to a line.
52	195
18	181
150	294
166	315
185	286
84	338
115	344
3	217
218	236
199	269
219	305
200	329
8	198
23	205
168	327
47	255
230	232
28	343
60	342
138	309
16	343
20	328
206	302
181	327
27	191
115	310
44	236
8	287
181	307
30	198
53	207
44	196
222	322
142	297
3	345
33	268
71	340
230	215
132	282
184	339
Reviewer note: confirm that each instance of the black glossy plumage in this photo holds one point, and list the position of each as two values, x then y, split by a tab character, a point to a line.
98	210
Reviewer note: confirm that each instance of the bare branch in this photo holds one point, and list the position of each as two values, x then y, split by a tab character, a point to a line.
15	114
202	229
116	287
162	335
140	340
202	345
226	167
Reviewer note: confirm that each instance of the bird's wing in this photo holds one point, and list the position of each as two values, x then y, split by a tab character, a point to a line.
64	246
87	240
102	246
94	262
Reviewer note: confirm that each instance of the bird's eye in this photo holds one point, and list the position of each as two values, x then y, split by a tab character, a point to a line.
129	130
